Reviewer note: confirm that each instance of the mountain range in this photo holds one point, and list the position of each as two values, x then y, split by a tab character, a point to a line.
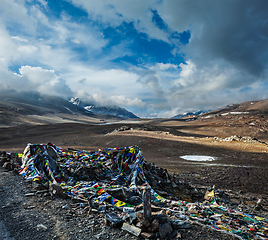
109	110
246	108
31	108
188	114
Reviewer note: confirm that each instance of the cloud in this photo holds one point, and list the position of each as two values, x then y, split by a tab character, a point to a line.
37	79
43	3
17	38
44	81
57	33
213	86
163	66
227	50
106	87
227	53
15	11
234	31
96	79
114	100
118	11
150	80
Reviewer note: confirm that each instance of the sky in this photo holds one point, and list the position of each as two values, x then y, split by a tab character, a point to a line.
156	58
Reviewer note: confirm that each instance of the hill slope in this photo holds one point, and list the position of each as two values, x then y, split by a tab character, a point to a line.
247	108
19	108
108	110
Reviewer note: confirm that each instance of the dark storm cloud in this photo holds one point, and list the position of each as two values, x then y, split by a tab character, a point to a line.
235	31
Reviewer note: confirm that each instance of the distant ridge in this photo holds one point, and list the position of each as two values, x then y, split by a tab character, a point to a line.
34	103
259	107
110	110
187	114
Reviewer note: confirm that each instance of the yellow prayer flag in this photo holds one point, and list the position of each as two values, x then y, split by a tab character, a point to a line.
119	203
209	195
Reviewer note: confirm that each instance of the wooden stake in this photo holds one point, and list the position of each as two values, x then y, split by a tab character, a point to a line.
146	197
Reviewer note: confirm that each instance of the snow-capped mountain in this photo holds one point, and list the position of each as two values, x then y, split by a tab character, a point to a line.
110	110
189	114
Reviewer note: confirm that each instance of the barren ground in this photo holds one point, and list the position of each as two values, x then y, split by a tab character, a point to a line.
240	165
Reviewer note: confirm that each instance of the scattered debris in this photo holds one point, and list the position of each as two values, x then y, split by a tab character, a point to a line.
121	129
113	220
237	138
41	226
29	194
131	229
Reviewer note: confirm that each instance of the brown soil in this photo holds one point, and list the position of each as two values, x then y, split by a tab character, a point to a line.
239	165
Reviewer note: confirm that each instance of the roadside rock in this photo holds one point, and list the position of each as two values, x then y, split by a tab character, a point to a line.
165	229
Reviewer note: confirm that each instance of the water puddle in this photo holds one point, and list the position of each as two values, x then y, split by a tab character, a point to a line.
198	158
121	122
221	165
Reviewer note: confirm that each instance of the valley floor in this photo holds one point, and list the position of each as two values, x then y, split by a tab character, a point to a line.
240	166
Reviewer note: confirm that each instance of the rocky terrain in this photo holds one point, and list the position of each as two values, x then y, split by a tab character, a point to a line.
27	213
236	137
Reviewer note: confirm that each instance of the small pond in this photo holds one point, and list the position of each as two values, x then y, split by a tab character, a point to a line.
198	158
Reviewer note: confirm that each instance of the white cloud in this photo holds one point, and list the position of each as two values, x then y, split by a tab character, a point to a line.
15	11
35	79
213	86
75	40
102	99
48	48
112	82
19	39
7	47
163	66
117	100
116	12
43	3
27	49
44	81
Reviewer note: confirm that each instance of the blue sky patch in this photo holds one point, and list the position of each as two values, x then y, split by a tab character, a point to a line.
56	8
143	49
159	21
183	37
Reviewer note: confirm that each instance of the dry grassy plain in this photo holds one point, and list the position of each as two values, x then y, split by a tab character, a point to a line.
239	165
